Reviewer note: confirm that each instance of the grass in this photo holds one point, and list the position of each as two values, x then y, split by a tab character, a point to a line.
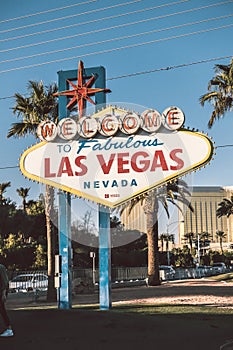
174	309
145	309
228	277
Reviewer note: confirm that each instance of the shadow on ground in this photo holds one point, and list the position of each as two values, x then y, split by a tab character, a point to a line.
119	328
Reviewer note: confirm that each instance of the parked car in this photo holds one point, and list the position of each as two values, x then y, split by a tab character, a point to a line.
166	272
28	282
204	270
219	267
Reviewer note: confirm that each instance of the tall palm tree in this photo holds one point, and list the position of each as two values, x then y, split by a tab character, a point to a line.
221	235
175	192
3	187
225	207
162	238
189	236
169	238
220	92
23	192
40	105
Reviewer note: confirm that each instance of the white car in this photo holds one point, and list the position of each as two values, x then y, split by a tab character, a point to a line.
219	267
28	282
166	272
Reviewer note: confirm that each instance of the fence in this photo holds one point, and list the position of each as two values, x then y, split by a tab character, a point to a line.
31	280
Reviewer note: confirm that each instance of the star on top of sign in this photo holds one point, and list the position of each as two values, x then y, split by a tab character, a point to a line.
82	91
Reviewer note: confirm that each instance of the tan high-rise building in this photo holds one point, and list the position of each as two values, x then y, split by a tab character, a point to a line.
205	201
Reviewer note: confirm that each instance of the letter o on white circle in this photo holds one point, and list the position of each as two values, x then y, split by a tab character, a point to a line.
129	123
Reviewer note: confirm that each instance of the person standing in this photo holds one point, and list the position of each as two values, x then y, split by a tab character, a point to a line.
4	286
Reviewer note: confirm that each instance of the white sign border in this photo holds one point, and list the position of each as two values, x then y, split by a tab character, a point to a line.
179	173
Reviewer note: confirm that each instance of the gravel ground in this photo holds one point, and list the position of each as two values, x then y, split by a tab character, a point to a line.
192	292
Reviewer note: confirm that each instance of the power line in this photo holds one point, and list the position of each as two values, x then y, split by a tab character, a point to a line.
154	70
115	39
223	146
116	49
169	68
46	11
9	167
6	97
99	20
69	16
119	26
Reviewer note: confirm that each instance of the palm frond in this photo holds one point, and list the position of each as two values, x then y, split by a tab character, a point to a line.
21	129
220	92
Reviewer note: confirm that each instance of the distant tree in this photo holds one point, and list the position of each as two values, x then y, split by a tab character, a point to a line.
40	257
182	256
84	230
225	207
35	207
220	92
189	236
3	187
7	213
169	238
162	238
220	235
115	223
40	105
23	193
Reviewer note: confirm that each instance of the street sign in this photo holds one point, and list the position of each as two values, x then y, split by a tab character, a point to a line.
123	158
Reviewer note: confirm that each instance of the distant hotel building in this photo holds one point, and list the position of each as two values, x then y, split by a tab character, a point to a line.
205	202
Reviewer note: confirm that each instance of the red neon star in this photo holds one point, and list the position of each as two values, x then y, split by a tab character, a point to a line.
81	92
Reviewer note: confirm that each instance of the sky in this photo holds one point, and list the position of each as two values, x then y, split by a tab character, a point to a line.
40	38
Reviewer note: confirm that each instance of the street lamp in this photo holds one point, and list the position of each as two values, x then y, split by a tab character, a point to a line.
92	255
168	252
198	249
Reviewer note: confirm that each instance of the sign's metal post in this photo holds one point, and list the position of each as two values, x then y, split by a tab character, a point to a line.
104	258
65	292
64	224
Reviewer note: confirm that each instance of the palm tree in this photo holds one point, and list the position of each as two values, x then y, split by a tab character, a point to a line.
40	105
189	236
220	92
169	238
225	207
175	192
221	235
23	192
162	238
3	187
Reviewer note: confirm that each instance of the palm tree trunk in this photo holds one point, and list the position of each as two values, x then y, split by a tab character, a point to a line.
24	205
51	242
220	240
152	240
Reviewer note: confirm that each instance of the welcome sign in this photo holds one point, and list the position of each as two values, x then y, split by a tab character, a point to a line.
115	155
